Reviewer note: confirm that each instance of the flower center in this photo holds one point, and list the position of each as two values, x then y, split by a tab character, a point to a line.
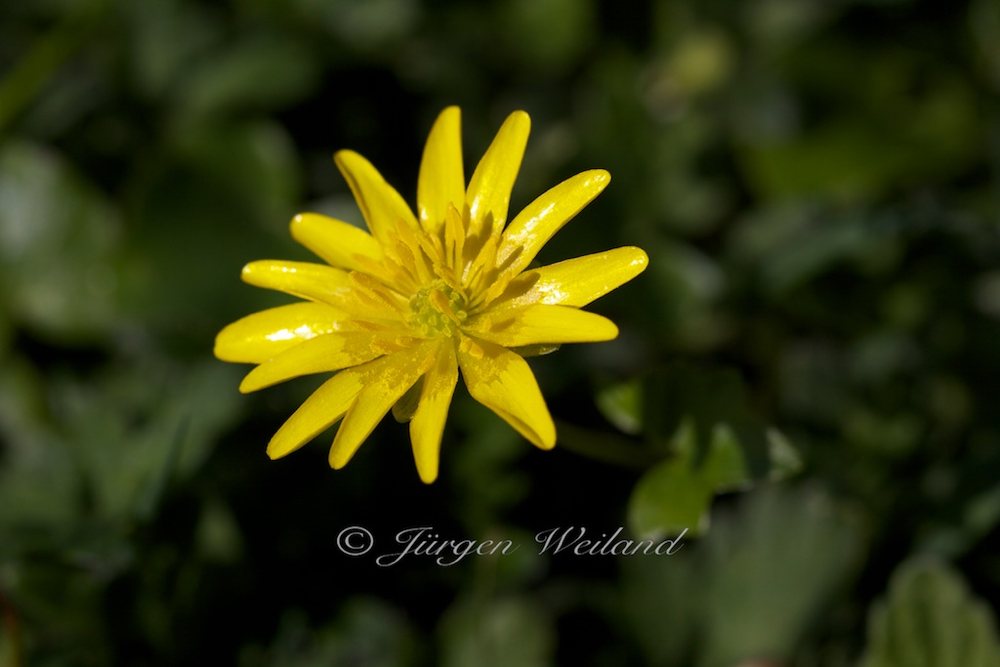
438	309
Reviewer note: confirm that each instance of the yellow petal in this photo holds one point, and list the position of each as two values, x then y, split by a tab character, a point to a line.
262	336
379	202
442	176
384	383
330	352
337	242
503	382
491	183
542	218
577	282
316	282
531	325
320	411
427	425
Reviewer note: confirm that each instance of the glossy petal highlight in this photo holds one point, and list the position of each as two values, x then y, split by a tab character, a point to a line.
491	183
442	177
330	352
536	324
264	335
577	282
542	218
316	282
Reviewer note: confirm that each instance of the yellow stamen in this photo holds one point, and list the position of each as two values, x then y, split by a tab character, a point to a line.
374	291
454	234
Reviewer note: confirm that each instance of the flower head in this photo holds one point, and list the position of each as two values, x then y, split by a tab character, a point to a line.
400	310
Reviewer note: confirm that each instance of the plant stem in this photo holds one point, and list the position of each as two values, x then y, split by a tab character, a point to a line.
12	628
606	447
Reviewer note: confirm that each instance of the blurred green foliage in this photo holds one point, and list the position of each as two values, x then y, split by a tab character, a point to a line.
930	619
751	588
805	376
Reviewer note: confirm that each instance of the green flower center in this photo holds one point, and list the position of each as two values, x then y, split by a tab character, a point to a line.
438	309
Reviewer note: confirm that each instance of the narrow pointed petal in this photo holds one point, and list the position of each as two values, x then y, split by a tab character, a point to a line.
321	354
427	425
395	375
542	218
262	336
335	241
319	412
532	325
579	281
379	202
328	404
316	282
491	183
442	176
503	382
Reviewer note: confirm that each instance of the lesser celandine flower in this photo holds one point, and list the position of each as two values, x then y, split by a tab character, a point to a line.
400	310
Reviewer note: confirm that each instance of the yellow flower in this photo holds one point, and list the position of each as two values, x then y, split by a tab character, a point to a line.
399	311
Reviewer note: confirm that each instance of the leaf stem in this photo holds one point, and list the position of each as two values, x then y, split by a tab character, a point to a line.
605	447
